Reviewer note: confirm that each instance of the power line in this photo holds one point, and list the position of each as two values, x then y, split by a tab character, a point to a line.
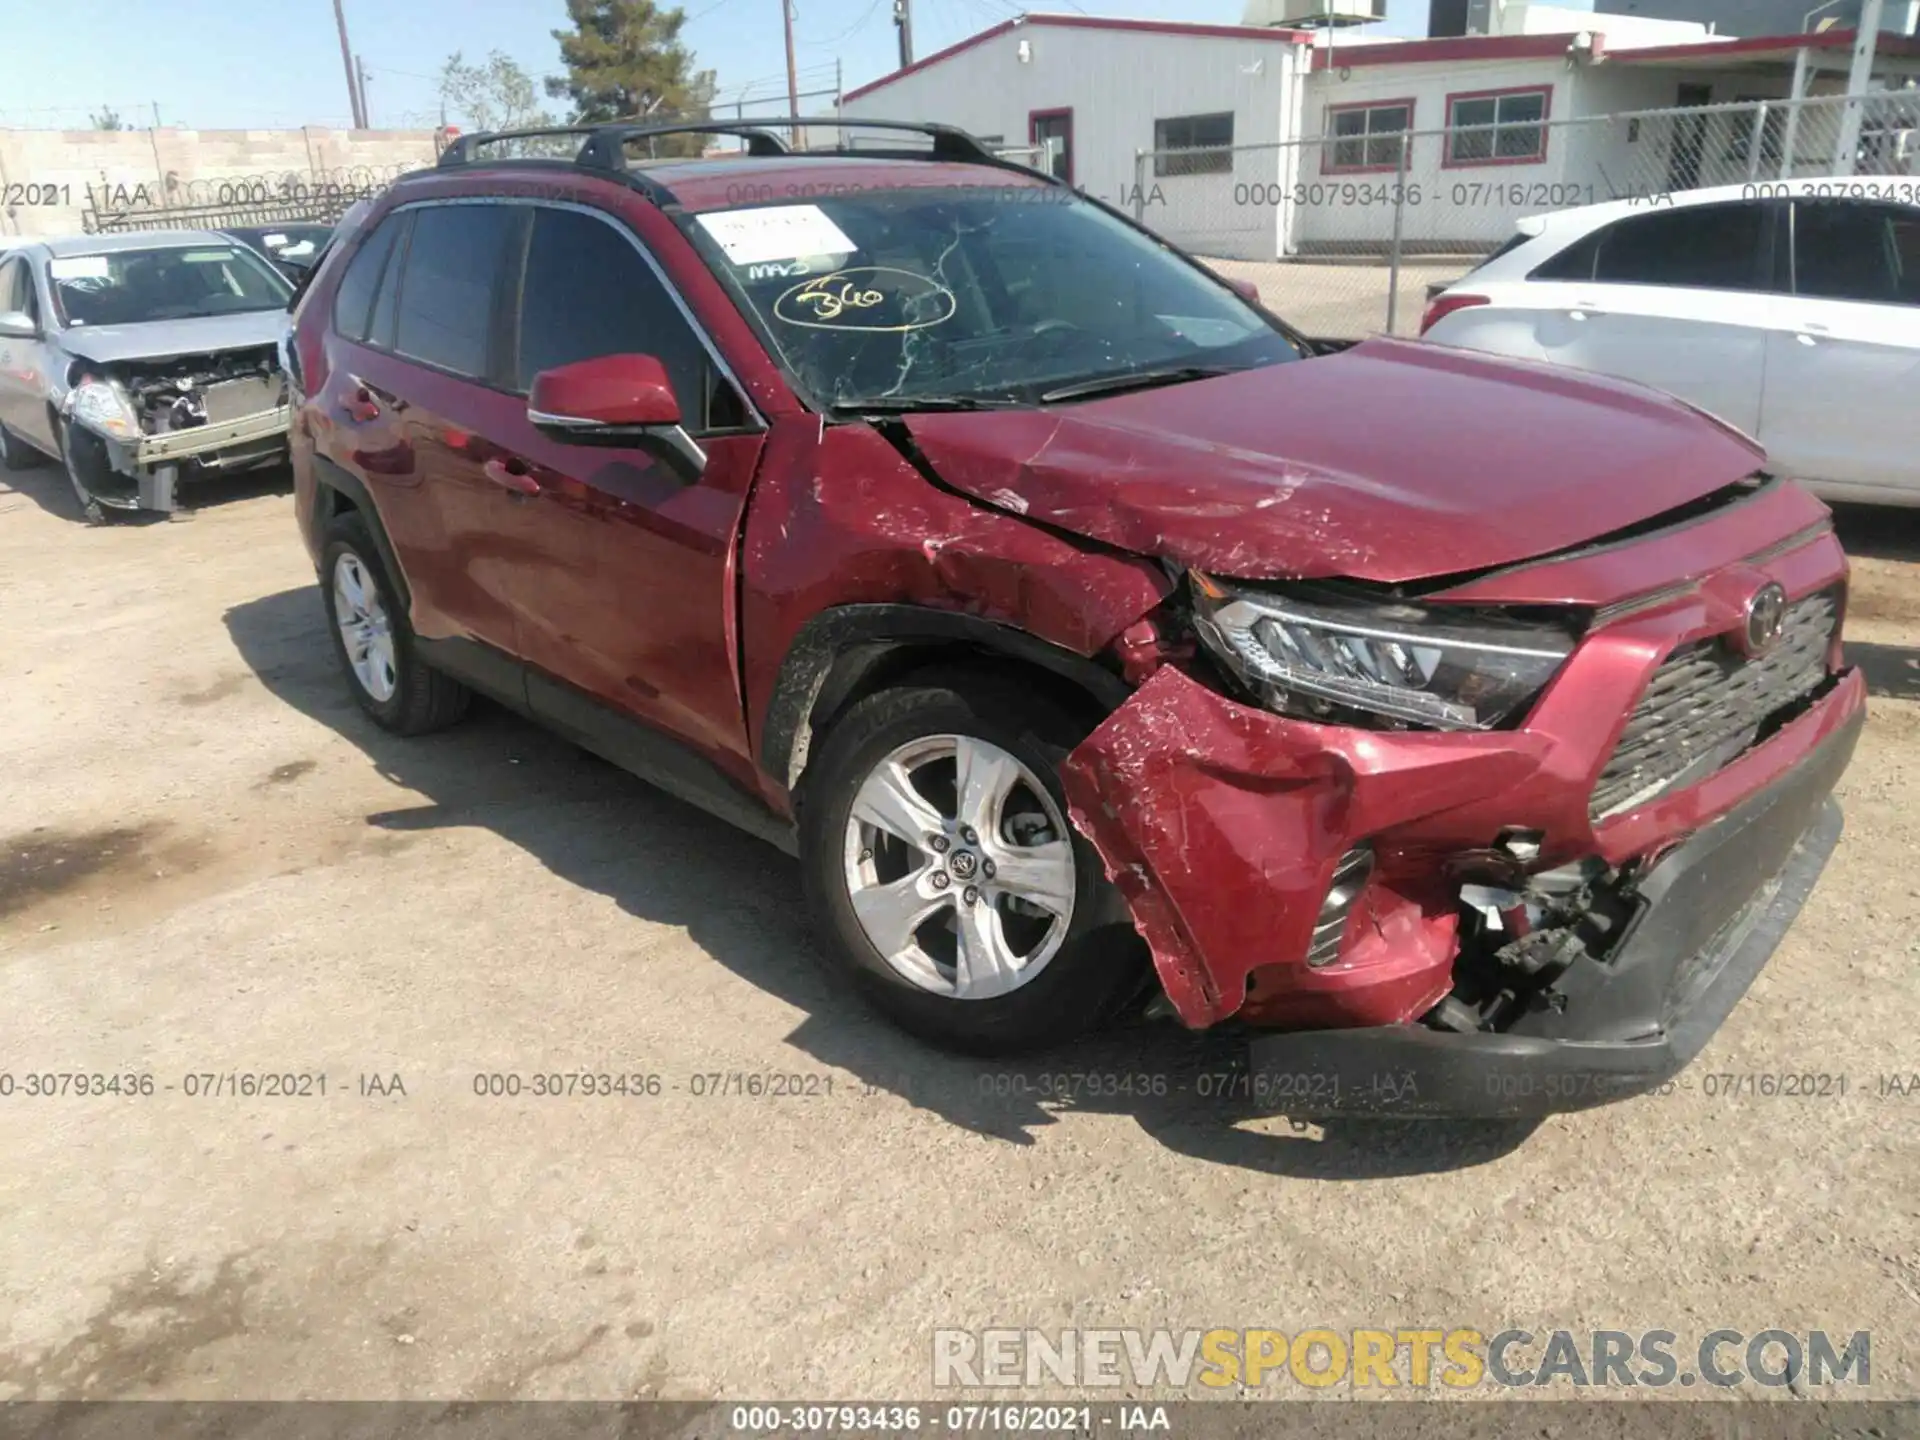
858	24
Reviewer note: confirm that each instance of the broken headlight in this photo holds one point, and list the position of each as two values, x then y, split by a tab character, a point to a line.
99	406
1324	660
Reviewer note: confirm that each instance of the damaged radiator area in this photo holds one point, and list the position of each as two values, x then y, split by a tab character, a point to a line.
187	392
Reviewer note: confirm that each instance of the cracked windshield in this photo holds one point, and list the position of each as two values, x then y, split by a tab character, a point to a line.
960	297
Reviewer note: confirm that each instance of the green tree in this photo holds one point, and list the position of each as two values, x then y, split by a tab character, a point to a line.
625	61
108	119
498	95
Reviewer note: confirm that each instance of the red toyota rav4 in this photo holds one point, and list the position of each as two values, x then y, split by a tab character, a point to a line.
1466	728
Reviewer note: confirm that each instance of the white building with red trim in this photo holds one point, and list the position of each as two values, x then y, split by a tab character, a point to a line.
1301	133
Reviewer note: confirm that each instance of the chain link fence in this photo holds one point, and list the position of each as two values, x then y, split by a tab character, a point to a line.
1347	232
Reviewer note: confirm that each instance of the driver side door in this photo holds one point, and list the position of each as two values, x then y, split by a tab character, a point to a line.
623	575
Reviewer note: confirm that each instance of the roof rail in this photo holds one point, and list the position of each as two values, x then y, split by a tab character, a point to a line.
603	146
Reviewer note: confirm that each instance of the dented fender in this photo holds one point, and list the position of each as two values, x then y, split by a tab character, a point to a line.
1221	824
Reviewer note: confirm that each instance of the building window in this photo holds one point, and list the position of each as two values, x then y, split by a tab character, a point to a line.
1211	136
1366	137
1504	127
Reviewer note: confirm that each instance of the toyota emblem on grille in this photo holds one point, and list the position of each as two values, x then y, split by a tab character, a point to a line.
1766	619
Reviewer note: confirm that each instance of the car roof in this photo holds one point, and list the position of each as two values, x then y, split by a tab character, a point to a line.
1898	189
59	245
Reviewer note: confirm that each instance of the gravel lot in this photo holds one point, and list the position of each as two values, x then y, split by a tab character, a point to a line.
210	863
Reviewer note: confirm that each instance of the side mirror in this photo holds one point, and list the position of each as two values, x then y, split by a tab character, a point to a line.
18	325
1245	289
619	400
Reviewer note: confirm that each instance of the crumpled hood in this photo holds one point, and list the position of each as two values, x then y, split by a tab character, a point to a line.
165	339
1392	461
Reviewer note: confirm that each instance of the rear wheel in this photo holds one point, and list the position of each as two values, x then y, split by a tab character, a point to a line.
944	876
373	641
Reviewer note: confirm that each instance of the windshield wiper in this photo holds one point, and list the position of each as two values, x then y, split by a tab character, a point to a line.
1135	380
910	404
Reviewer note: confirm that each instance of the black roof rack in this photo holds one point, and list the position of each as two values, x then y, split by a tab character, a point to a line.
603	146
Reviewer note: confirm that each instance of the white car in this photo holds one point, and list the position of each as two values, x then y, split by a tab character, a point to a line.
1789	309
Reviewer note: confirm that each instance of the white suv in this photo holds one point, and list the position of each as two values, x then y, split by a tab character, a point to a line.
1791	310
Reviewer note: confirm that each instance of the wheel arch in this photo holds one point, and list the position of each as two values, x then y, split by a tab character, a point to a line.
335	492
850	651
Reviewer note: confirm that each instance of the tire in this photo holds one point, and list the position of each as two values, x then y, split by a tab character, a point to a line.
91	510
1057	976
15	453
398	690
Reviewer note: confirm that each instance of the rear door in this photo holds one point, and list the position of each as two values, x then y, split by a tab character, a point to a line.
622	571
1842	406
416	400
1669	298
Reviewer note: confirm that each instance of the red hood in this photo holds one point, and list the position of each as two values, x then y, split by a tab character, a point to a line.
1391	461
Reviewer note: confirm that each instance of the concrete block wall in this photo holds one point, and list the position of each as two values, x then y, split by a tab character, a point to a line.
45	174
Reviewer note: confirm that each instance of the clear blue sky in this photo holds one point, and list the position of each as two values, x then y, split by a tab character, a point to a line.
269	63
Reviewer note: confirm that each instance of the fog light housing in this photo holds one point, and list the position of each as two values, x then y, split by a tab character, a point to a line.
1349	882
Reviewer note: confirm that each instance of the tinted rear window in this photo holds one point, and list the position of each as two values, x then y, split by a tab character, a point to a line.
1706	247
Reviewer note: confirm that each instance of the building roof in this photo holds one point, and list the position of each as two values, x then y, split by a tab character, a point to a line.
1762	48
1089	22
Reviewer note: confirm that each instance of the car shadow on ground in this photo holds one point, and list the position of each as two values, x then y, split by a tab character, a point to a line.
46	485
1892	671
739	900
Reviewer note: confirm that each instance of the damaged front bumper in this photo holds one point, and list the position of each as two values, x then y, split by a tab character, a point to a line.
1714	911
143	473
1227	828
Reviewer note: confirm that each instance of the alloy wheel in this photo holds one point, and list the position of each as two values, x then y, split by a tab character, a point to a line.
960	867
366	632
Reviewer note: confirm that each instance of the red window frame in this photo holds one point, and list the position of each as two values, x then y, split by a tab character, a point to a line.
1327	167
1034	117
1447	162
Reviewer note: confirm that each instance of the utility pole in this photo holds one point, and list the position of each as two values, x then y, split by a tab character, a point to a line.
366	110
903	21
793	75
346	60
1846	151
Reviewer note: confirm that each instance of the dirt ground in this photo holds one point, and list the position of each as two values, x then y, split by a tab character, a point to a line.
211	864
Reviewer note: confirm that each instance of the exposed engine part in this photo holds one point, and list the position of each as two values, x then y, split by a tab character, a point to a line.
1517	939
194	390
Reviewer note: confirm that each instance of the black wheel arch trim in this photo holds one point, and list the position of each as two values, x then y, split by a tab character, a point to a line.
328	474
837	649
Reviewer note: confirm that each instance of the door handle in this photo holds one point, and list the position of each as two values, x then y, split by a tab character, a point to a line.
1583	312
360	404
511	475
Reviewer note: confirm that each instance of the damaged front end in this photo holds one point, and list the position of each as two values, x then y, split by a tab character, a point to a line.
1476	859
136	427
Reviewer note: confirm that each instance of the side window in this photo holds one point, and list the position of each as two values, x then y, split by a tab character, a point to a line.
16	288
355	294
455	265
1704	247
386	300
1847	250
589	292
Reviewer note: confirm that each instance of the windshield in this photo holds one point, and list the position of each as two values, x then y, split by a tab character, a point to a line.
133	287
989	295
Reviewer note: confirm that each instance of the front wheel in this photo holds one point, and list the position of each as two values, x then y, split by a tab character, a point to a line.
944	876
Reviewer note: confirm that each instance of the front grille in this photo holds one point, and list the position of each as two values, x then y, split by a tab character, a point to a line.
1707	705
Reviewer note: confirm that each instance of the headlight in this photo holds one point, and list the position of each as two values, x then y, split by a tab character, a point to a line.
103	408
1316	659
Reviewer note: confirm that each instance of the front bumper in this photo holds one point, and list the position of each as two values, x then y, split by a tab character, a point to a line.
204	442
1716	908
